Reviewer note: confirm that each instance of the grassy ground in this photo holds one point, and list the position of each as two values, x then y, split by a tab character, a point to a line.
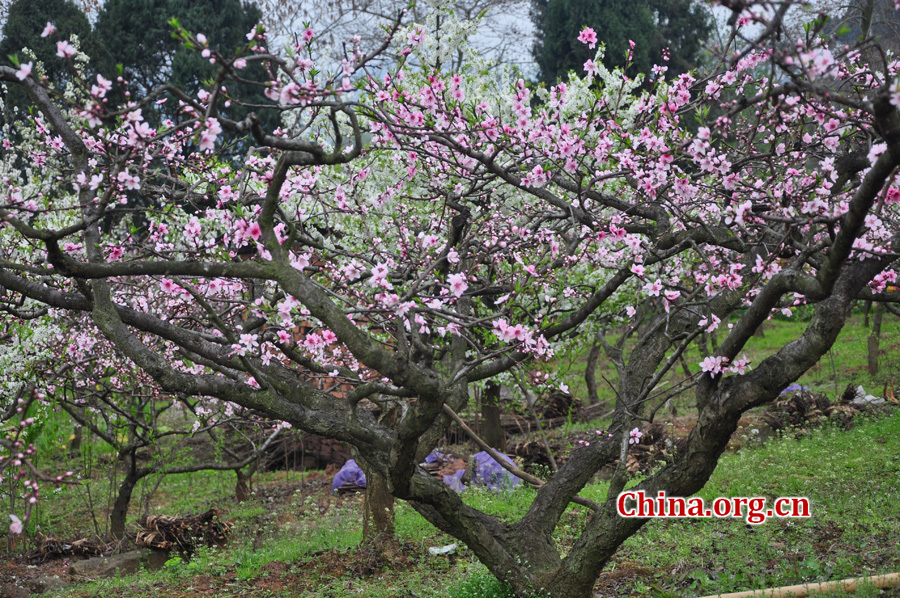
299	541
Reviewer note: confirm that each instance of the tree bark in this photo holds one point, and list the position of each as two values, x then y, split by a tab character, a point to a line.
875	339
378	507
241	486
492	430
590	373
75	440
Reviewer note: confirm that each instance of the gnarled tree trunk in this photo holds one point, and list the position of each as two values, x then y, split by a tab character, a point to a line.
378	506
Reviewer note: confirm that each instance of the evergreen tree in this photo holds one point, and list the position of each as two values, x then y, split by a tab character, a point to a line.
653	25
23	28
141	35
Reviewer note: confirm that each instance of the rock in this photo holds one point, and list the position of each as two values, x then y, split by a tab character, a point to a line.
11	590
117	564
47	583
867	400
442	549
861	399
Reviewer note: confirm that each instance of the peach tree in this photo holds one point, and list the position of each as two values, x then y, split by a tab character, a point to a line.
410	231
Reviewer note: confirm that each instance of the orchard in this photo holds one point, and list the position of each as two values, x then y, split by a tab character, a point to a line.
411	231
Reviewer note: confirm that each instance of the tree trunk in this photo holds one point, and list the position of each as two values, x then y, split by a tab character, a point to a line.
120	508
75	441
590	373
242	486
378	507
875	339
492	430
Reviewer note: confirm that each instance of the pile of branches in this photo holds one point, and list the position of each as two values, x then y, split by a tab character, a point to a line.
54	548
165	532
655	448
798	410
534	452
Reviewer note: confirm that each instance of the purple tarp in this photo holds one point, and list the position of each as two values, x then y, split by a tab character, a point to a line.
349	475
455	480
488	472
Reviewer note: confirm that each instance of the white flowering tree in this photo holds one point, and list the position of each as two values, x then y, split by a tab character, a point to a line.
406	235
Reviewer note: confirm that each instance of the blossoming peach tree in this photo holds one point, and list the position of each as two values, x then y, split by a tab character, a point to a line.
411	231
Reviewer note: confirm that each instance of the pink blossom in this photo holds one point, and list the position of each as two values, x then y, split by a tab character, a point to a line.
634	437
128	180
588	36
48	29
64	49
538	177
16	526
713	365
458	284
741	365
24	70
102	87
168	286
308	35
653	288
116	253
254	231
212	129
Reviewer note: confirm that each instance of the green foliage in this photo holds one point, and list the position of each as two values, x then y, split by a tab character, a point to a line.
481	585
680	25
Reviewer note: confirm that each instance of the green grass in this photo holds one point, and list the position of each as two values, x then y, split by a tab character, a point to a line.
852	481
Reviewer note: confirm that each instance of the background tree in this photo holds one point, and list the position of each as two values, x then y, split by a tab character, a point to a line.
150	433
502	31
681	26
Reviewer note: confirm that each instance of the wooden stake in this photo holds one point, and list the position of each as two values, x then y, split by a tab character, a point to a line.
807	589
